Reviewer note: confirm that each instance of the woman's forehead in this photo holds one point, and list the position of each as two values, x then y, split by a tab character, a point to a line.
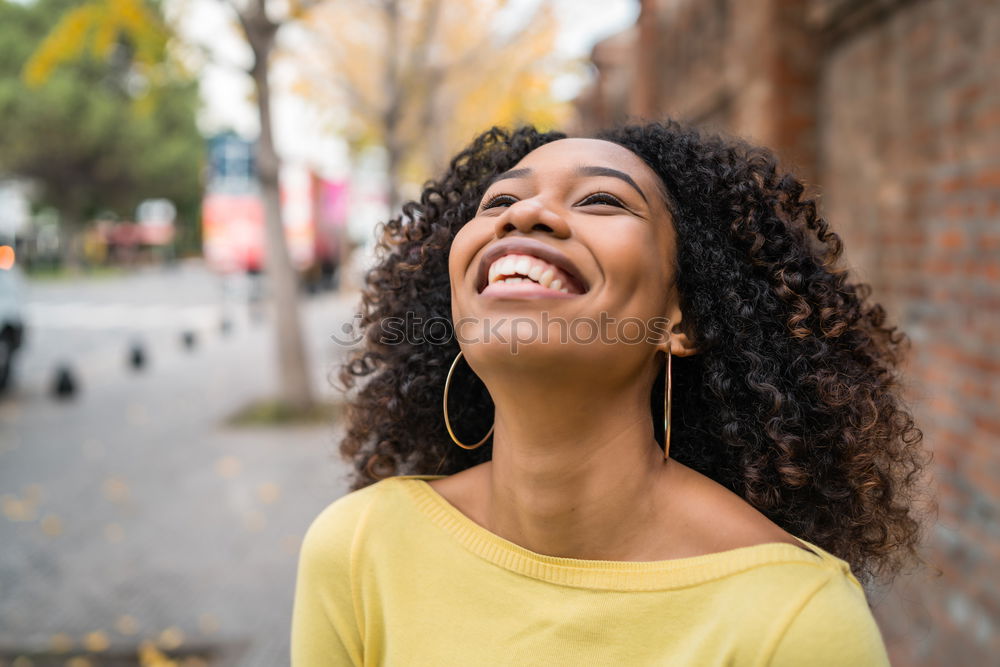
577	151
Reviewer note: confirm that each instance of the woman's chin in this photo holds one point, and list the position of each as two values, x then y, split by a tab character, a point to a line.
535	355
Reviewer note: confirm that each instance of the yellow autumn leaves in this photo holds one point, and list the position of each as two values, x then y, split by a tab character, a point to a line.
95	28
425	76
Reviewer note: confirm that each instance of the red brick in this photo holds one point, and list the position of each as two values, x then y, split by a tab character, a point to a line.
953	185
985	364
989	178
973	389
959	212
988	120
989	242
952	239
941	267
952	353
944	405
989	425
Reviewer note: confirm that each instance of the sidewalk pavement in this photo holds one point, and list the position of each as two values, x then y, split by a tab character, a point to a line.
133	513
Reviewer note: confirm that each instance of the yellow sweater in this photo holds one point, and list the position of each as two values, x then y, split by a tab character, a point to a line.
393	574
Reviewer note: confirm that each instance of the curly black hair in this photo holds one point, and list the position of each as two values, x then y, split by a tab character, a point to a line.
793	401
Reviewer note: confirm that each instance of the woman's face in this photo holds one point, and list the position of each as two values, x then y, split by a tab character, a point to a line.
574	242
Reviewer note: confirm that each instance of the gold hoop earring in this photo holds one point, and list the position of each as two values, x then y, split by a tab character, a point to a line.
447	422
667	388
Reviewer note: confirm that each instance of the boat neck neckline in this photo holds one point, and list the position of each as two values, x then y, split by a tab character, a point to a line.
608	574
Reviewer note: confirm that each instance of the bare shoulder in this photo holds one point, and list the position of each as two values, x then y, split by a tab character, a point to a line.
458	484
719	519
463	490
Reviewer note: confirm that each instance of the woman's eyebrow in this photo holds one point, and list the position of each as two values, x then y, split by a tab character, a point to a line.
613	173
582	171
513	173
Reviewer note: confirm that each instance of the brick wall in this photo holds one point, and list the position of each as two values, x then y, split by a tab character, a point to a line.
891	110
910	171
717	63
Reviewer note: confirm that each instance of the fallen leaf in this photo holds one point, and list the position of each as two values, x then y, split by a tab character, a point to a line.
171	638
127	625
96	641
255	521
228	467
52	525
113	532
115	489
61	642
268	492
16	509
208	624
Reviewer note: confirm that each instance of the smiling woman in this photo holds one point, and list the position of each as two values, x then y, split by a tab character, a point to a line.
676	437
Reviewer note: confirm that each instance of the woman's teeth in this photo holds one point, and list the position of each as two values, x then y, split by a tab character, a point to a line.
521	268
515	279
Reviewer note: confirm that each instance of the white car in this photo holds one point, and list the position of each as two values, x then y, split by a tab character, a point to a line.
11	313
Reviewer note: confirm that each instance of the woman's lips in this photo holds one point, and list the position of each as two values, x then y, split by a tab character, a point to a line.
533	248
524	290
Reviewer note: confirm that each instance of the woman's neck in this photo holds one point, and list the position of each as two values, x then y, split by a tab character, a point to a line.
575	474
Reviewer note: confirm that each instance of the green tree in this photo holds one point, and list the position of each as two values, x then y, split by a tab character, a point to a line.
94	111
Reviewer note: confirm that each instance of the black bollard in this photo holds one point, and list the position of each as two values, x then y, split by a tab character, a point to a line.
189	339
137	357
64	385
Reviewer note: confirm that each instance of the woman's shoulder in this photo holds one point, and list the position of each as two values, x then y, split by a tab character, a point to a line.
333	529
342	517
821	614
830	623
716	519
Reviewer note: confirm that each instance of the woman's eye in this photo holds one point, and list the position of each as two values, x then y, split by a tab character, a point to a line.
602	198
499	200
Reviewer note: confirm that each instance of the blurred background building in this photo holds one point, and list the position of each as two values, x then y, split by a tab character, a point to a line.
890	110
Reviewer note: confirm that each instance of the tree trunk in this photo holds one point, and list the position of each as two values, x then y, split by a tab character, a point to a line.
69	243
296	389
394	106
394	167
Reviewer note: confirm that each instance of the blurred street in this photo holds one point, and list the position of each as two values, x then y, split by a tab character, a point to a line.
131	511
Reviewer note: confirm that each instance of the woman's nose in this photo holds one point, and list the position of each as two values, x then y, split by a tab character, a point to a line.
529	215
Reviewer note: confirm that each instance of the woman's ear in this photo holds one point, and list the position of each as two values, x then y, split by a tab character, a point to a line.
680	344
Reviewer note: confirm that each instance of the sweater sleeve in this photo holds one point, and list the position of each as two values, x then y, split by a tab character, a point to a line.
325	627
834	627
